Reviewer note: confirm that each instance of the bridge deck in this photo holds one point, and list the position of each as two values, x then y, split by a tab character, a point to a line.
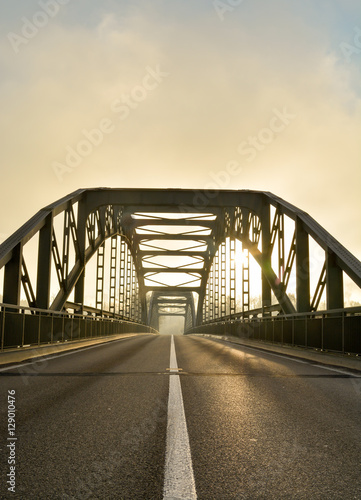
93	423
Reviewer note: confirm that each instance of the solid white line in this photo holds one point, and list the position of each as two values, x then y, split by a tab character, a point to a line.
179	481
47	357
336	370
277	355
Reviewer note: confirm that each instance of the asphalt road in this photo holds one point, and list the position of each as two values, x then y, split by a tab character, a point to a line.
93	424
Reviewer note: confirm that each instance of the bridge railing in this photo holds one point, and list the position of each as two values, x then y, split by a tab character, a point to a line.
25	326
333	331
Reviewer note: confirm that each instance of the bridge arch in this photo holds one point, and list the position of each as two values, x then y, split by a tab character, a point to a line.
152	229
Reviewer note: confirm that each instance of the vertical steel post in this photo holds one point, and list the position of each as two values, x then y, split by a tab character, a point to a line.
3	312
343	331
66	244
334	283
81	232
122	278
133	291
209	301
137	300
216	285
128	283
39	328
232	276
223	279
281	247
302	269
12	277
100	277
23	330
245	282
193	312
62	327
266	247
113	273
44	264
322	332
211	294
52	329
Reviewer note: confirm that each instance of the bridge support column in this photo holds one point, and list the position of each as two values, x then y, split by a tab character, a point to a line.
44	264
143	304
232	276
334	283
113	273
266	246
193	311
216	285
245	281
81	229
12	277
222	249
302	269
211	295
122	278
99	304
128	282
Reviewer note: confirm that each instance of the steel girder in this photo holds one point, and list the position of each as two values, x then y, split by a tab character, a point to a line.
160	226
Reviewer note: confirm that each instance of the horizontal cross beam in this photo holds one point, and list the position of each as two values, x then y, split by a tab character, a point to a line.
172	253
208	224
175	237
157	270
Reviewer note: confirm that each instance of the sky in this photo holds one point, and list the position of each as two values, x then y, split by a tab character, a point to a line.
166	94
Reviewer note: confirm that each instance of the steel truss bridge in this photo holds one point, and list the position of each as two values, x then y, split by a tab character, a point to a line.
180	253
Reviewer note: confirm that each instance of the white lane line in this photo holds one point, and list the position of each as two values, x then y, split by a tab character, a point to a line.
179	481
285	357
353	375
48	357
278	355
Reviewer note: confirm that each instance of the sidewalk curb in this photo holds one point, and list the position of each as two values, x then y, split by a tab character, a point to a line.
21	355
321	358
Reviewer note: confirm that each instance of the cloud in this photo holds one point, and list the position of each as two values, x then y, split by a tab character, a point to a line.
225	79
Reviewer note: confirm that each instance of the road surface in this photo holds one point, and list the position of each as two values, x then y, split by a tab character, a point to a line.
126	420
